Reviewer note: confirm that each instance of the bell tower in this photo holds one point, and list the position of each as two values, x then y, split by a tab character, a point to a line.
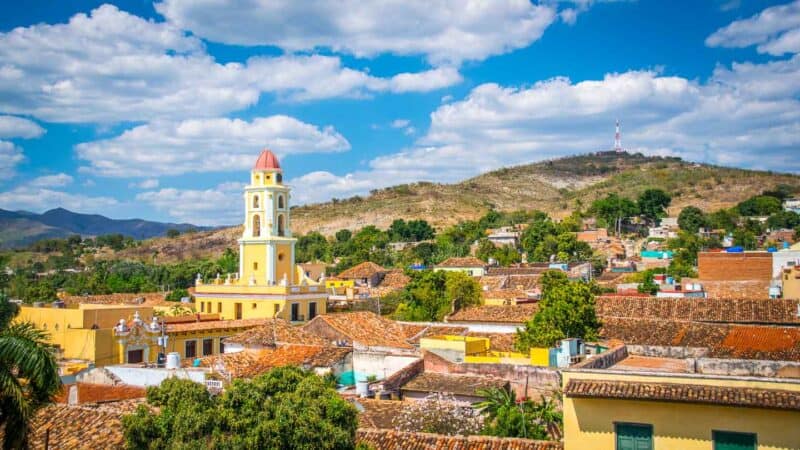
266	248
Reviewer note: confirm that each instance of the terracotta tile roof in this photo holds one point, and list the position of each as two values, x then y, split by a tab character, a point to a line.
274	332
684	393
436	330
654	364
250	363
530	269
214	325
740	310
363	270
412	329
524	282
394	280
366	328
101	393
492	282
732	289
469	261
80	426
777	343
505	294
454	384
147	299
512	314
406	440
380	413
499	342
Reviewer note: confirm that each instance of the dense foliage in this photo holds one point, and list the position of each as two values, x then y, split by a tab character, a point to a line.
29	375
285	408
566	310
432	295
505	416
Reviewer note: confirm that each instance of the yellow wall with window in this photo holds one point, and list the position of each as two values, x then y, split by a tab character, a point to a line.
589	422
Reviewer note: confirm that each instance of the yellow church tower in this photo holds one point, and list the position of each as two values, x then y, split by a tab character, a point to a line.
268	284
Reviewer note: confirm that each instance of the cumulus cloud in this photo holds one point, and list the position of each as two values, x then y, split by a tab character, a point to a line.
49	181
448	31
150	183
110	66
775	31
745	115
10	156
34	198
18	127
216	206
204	145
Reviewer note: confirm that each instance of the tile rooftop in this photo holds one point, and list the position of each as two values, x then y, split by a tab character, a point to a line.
405	440
214	325
468	261
455	384
365	328
274	332
363	270
510	314
685	393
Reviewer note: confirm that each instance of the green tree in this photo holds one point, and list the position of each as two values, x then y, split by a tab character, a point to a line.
745	239
505	416
648	286
461	290
229	261
783	219
313	247
760	205
613	208
172	233
653	203
566	310
430	296
285	408
177	295
28	375
691	219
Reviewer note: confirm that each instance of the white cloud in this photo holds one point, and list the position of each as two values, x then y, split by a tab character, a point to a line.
111	66
49	181
150	183
776	31
217	206
18	127
204	145
400	123
448	31
747	115
38	199
10	156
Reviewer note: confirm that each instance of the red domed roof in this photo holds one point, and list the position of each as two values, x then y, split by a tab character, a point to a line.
267	161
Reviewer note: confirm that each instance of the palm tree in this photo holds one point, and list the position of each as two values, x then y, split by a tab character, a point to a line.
28	374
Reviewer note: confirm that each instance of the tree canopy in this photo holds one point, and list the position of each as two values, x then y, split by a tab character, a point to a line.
432	295
285	408
652	204
566	310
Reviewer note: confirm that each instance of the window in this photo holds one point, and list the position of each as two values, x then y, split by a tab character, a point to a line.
278	177
295	312
280	225
255	266
255	201
277	308
633	436
219	307
135	356
280	256
312	310
190	349
729	440
208	307
208	346
255	305
238	308
221	345
280	201
256	226
202	307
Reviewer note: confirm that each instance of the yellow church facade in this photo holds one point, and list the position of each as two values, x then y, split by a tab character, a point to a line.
269	283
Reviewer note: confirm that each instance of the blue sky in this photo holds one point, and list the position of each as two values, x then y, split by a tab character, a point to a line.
157	110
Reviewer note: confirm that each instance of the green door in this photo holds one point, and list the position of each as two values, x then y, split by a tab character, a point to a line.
632	436
728	440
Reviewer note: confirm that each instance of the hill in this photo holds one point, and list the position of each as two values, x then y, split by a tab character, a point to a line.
19	228
556	187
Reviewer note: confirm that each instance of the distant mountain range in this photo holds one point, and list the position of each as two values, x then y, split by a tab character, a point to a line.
20	228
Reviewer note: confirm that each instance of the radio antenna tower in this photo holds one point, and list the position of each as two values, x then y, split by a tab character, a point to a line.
617	140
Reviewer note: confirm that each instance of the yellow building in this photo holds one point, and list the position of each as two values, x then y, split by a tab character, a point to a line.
790	283
663	406
269	283
83	332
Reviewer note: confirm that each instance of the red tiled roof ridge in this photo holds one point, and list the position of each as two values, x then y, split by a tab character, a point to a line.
362	270
466	261
684	393
386	439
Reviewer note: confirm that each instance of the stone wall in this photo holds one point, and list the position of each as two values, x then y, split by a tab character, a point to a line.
661	351
604	360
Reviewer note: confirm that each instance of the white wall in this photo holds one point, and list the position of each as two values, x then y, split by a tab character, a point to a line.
140	376
779	260
382	365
